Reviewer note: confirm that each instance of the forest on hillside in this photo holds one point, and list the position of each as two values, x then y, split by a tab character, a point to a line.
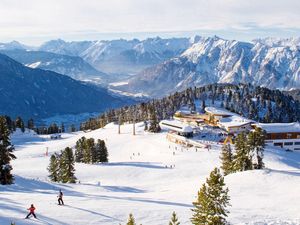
257	103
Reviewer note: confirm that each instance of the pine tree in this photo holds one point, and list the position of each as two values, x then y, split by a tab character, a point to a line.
256	142
67	170
92	147
80	145
73	128
20	124
145	125
227	159
174	219
242	159
203	105
154	125
131	220
103	156
87	153
30	124
210	207
62	128
53	168
6	153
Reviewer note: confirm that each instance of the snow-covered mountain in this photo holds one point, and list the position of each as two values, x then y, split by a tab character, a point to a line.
278	42
121	56
211	60
13	45
138	179
38	93
72	66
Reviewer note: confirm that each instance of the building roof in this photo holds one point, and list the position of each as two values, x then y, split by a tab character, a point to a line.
280	127
234	121
176	126
218	111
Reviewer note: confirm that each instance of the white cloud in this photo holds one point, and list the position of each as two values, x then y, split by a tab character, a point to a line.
40	20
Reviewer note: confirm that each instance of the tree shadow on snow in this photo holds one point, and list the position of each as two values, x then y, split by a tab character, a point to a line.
289	158
28	185
287	172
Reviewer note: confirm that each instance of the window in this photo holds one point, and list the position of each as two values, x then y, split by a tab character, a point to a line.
296	148
297	143
278	144
288	143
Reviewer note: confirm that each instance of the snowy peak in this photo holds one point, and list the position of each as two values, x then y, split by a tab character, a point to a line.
72	66
278	42
65	48
121	56
214	59
13	45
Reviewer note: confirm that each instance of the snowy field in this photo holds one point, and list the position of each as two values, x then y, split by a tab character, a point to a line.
137	181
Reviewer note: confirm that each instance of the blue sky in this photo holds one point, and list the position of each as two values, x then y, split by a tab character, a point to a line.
36	21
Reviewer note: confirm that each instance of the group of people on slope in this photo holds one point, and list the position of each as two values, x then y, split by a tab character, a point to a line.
32	208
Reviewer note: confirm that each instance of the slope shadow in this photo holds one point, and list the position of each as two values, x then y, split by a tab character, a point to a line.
30	140
27	185
291	159
135	164
7	204
287	172
123	189
136	199
95	213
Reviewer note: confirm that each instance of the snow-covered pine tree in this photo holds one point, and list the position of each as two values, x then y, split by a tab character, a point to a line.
226	159
131	220
67	170
154	125
53	168
256	142
174	219
103	156
6	153
213	198
242	159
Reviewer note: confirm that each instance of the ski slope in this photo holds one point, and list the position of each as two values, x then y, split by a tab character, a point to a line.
138	179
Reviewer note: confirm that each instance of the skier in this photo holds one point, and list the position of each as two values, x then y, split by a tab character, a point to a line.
31	211
60	196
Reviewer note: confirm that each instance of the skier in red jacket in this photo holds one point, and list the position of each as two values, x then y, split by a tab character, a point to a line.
31	211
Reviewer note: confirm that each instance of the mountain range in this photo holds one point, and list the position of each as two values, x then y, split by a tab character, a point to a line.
39	93
157	67
72	66
121	56
216	60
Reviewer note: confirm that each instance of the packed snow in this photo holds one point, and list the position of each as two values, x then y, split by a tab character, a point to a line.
147	176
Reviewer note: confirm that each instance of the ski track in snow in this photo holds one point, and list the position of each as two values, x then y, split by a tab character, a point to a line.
137	181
